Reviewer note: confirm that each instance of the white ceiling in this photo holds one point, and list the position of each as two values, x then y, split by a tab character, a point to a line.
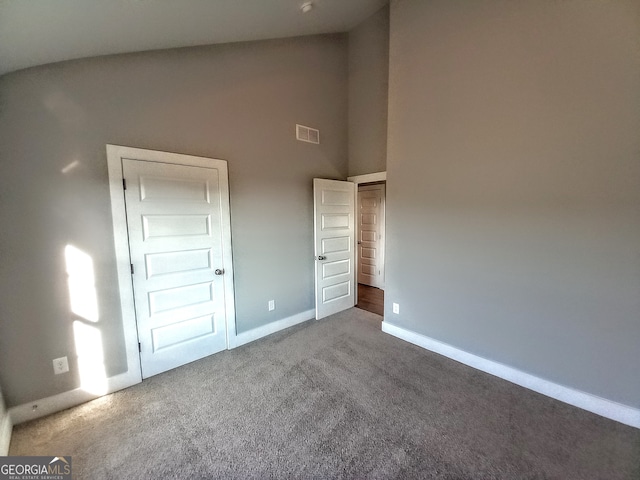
35	32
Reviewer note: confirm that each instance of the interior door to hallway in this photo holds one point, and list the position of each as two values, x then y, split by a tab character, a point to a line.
334	240
175	223
371	235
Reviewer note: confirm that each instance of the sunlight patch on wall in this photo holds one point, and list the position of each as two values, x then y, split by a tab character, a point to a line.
88	339
70	166
82	290
84	303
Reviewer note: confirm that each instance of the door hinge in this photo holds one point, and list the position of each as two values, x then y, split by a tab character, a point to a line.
124	184
132	269
139	347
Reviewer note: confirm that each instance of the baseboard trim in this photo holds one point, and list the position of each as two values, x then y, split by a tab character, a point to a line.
273	327
56	403
600	406
48	405
5	434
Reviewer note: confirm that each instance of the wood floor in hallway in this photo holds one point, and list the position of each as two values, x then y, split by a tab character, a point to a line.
370	299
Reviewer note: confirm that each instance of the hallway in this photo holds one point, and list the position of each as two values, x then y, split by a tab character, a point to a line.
370	299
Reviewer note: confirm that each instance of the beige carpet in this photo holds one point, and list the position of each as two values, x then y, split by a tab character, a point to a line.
332	399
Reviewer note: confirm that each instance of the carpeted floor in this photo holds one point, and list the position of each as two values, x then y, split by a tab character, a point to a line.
335	398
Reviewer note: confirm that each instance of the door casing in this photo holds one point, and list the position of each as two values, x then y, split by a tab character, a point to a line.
115	154
366	178
377	280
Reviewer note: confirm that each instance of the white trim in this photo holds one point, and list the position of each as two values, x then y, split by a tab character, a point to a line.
601	406
368	178
115	154
5	434
55	403
123	263
62	401
268	329
46	406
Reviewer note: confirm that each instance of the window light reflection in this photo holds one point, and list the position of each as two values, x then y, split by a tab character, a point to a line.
88	339
81	278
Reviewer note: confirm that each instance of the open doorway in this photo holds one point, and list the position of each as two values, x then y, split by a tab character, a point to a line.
370	299
370	238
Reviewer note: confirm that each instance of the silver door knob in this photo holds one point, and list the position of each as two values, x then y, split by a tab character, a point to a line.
321	257
219	271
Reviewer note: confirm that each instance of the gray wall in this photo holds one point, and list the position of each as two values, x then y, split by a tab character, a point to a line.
513	192
238	102
368	89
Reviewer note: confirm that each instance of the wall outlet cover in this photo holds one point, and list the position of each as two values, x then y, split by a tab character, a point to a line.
60	365
396	308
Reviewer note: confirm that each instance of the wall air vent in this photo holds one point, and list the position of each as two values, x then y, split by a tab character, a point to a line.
307	134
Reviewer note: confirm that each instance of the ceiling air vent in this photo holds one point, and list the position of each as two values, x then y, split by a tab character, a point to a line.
307	134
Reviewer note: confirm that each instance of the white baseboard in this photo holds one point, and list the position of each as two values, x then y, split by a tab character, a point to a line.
56	403
48	405
601	406
5	434
273	327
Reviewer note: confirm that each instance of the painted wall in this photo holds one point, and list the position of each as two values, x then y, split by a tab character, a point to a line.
513	194
238	102
368	89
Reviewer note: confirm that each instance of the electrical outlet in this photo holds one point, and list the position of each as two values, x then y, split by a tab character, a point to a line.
60	365
396	308
272	305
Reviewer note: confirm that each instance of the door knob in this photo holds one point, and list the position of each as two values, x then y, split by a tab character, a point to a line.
321	257
219	271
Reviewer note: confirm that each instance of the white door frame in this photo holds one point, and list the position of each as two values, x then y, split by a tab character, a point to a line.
115	153
358	179
380	231
368	178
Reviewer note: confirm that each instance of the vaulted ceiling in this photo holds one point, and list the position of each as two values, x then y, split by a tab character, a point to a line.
36	32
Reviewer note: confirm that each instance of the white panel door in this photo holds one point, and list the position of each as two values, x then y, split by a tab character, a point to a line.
334	237
176	244
371	235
